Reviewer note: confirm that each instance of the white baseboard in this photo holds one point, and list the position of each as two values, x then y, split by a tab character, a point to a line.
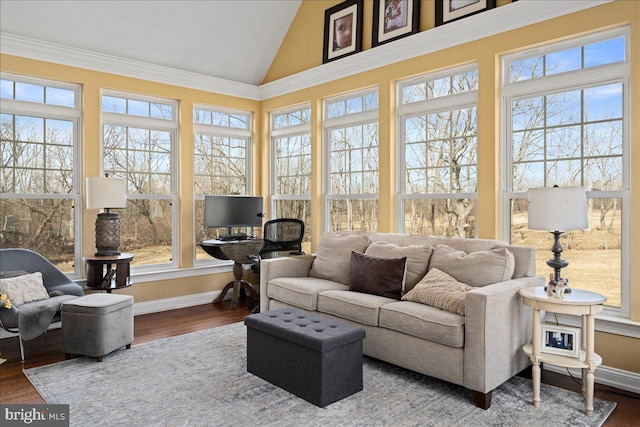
606	375
174	303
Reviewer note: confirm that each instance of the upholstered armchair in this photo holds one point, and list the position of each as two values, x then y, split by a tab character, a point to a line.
32	319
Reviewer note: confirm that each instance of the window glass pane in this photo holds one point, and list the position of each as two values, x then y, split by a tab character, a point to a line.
29	92
138	108
603	102
161	111
526	69
145	230
112	104
6	89
63	97
594	255
350	214
605	52
45	226
440	217
561	62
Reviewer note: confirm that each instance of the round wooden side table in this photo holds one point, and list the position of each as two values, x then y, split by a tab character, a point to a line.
582	303
107	273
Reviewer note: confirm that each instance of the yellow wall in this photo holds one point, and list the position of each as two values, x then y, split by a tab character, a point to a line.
302	49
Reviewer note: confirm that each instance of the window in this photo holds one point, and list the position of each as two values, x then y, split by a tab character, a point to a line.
291	167
351	162
40	207
222	161
567	116
139	142
437	145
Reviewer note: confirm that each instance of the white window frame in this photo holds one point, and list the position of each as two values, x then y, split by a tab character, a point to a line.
73	114
231	132
284	132
170	126
425	107
347	120
619	72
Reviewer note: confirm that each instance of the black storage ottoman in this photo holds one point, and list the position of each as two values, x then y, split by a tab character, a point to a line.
315	358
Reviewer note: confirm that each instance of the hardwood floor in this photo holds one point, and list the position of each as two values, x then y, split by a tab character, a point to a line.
15	388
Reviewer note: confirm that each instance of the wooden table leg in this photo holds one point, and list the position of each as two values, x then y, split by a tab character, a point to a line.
535	358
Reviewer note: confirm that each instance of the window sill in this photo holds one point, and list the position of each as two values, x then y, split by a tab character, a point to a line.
604	323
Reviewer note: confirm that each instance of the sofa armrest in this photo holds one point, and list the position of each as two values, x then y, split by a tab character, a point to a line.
273	268
497	325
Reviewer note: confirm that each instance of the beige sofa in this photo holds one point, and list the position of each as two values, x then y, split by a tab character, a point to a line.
478	350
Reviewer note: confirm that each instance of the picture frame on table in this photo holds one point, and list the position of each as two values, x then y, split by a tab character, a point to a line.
561	340
394	19
343	30
452	10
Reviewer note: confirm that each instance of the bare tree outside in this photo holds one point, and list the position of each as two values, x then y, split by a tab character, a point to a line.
572	137
440	162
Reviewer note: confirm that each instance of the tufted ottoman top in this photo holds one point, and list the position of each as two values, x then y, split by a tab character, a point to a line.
305	329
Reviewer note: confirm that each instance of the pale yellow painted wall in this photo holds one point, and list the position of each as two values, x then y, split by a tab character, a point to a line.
92	82
486	52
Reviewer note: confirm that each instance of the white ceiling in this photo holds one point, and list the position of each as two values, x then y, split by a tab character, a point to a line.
230	39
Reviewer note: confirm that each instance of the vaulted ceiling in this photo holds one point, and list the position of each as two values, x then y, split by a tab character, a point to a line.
230	39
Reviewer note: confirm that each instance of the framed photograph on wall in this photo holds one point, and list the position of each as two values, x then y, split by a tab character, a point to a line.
562	340
394	19
451	10
342	30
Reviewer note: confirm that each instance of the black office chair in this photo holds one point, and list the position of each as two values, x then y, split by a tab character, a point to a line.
282	236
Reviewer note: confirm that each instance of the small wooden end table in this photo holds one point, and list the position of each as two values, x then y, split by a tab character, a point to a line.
236	251
582	303
106	273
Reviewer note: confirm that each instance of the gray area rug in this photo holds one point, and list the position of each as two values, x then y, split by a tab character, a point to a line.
200	379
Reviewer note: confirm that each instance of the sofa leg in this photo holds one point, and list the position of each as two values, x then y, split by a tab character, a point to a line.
482	400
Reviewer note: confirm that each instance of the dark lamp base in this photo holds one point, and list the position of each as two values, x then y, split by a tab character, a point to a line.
108	234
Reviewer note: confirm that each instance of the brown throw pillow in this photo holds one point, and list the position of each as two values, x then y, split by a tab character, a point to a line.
440	290
377	276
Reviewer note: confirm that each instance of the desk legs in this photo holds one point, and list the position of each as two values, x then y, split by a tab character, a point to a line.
237	284
588	380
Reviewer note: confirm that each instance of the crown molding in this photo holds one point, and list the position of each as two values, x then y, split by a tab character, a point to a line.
491	22
12	44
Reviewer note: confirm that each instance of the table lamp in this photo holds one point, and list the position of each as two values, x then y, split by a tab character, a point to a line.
557	210
107	193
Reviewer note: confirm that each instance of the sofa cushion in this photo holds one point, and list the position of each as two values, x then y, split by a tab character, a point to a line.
440	290
356	306
333	258
417	259
300	291
478	268
423	321
23	289
377	276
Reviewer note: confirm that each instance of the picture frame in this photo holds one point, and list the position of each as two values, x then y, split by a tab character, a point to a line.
561	340
452	10
343	30
394	19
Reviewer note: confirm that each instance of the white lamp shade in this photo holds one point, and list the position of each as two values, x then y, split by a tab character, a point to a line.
106	193
558	208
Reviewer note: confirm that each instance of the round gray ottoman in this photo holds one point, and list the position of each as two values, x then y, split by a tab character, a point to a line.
97	324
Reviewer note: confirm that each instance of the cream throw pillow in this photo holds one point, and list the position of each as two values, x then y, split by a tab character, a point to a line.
333	259
478	268
417	259
24	289
440	290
